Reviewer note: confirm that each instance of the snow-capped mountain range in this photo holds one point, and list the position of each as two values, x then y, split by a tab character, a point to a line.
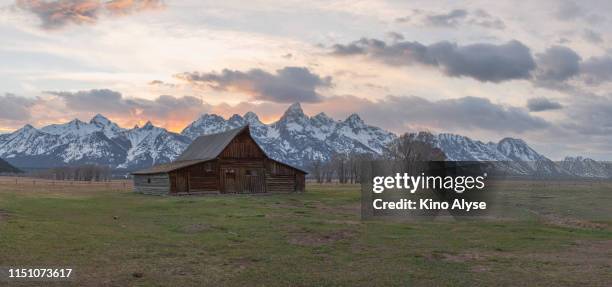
295	138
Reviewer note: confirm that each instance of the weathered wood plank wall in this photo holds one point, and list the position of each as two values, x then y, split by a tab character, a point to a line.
156	184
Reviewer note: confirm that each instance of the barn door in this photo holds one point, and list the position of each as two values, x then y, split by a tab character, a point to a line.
228	178
254	180
182	182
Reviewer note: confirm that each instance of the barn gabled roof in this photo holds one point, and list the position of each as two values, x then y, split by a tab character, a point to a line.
210	146
204	148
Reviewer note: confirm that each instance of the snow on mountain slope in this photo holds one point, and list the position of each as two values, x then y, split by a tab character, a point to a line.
100	141
536	164
461	148
586	167
28	141
365	137
512	156
151	145
295	138
206	124
78	128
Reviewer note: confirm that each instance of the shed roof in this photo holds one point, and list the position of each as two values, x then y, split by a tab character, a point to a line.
168	167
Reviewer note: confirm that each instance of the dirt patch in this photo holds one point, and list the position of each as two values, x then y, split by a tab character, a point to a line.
571	222
196	228
588	254
463	257
4	215
242	263
339	209
347	222
455	257
568	222
314	239
480	269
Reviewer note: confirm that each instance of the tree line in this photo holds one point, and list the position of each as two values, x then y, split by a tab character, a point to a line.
409	149
87	172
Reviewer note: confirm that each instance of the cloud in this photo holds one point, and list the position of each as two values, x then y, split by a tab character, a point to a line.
483	19
286	85
557	64
57	14
483	62
453	18
596	70
164	108
160	83
401	114
461	113
102	101
552	68
591	115
450	19
542	104
405	19
15	108
394	36
570	11
118	7
592	36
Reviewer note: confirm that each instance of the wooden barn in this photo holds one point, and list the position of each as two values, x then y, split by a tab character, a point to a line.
227	162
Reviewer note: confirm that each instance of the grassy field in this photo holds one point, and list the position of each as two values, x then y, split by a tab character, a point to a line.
552	234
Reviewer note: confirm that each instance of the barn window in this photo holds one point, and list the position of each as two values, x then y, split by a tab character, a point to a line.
148	180
208	167
230	173
250	172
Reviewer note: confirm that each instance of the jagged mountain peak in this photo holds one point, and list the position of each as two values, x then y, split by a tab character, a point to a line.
204	117
100	119
210	124
322	119
295	107
354	119
236	118
514	141
77	122
148	125
252	119
517	149
322	115
250	115
26	128
294	111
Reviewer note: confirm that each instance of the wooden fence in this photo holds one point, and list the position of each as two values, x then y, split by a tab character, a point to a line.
38	184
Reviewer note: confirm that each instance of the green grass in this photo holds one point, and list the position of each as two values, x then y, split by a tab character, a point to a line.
314	238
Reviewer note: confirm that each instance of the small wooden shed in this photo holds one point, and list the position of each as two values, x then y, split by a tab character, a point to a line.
227	162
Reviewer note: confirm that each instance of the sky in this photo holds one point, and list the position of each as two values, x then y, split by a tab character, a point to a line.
539	71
